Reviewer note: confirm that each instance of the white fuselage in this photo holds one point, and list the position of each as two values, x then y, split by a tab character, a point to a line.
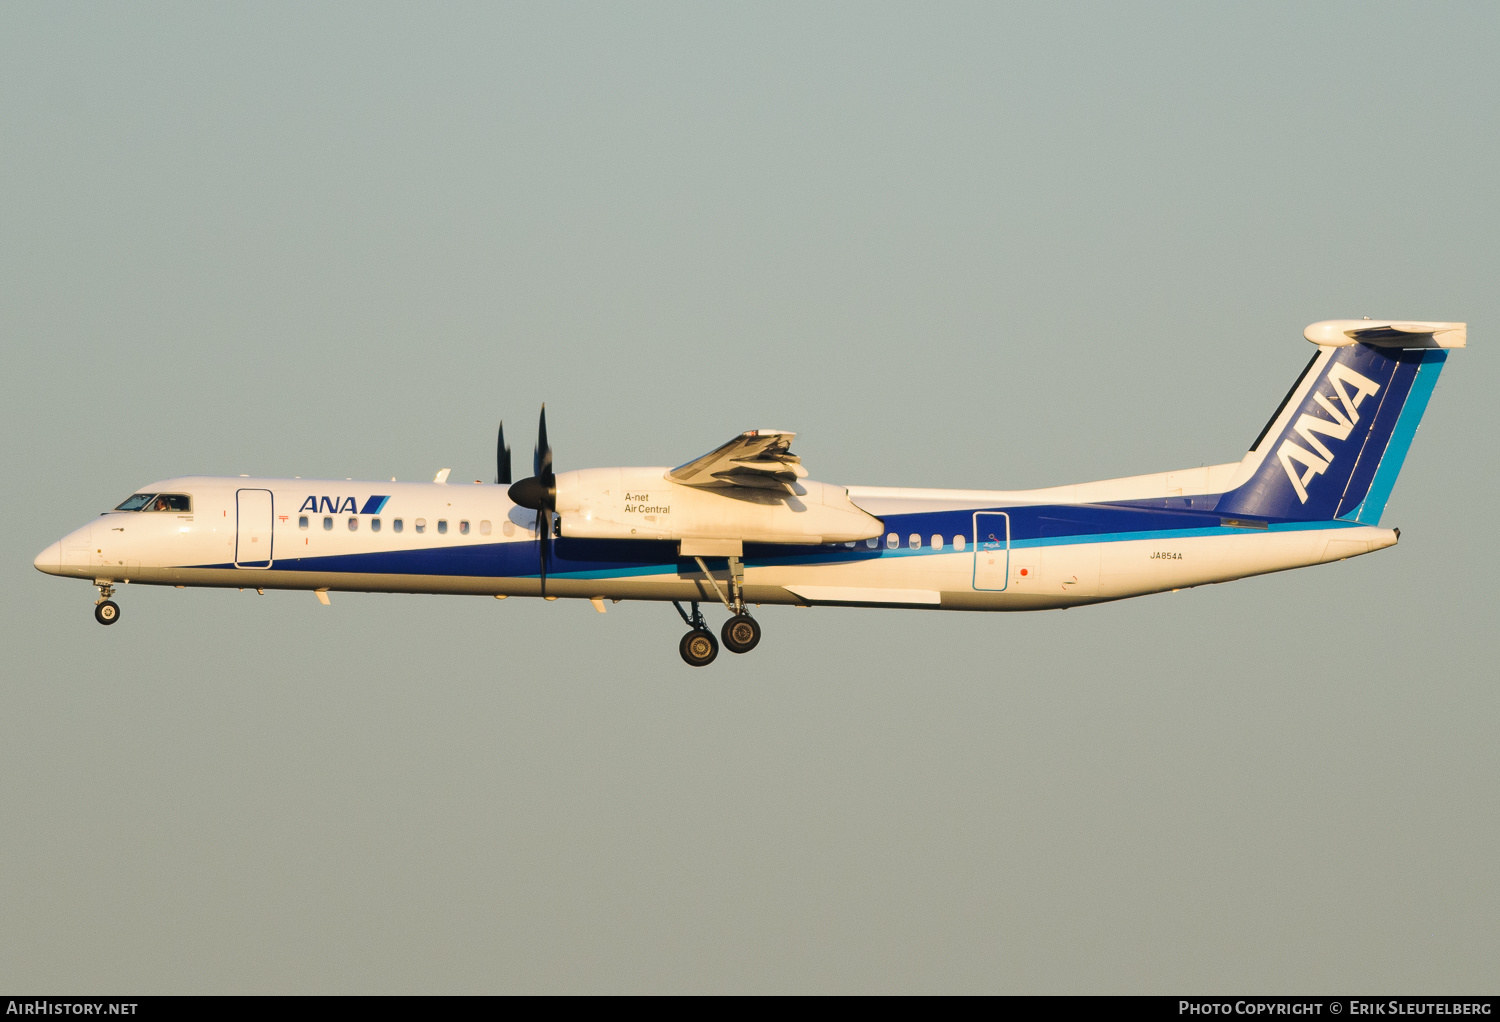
960	550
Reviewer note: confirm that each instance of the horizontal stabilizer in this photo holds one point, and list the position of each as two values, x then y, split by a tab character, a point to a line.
1336	333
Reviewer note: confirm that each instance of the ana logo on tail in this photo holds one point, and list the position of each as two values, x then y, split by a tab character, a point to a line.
1338	427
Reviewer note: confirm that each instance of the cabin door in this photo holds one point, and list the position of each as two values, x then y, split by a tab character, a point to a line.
252	532
991	550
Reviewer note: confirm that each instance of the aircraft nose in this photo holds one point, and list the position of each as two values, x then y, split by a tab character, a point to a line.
50	559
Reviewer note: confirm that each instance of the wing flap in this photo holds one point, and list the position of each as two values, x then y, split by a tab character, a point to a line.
757	458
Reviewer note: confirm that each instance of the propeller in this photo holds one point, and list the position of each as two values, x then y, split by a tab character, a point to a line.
502	458
539	493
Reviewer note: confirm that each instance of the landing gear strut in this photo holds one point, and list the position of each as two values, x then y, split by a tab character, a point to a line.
741	632
106	611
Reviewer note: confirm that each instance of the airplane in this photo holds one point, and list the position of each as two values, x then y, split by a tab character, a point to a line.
745	525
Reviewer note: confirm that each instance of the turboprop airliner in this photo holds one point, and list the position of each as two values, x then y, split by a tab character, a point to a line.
744	524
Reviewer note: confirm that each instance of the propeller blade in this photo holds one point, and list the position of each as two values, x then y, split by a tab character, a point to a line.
539	493
549	494
542	462
544	536
502	458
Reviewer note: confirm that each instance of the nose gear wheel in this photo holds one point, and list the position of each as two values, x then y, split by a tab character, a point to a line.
106	612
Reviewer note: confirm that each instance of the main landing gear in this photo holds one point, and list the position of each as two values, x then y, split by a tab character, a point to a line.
106	611
741	632
698	647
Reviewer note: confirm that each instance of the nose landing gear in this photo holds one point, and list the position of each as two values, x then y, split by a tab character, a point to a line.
106	611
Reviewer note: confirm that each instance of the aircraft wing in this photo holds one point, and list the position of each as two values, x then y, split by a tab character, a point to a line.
757	458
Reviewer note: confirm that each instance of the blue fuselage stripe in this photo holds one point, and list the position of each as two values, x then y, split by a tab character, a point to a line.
1031	527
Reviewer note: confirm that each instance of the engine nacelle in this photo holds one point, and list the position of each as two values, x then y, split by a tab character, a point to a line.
642	503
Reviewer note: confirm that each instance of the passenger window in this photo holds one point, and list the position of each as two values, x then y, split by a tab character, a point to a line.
353	524
893	542
327	524
914	541
508	527
136	502
442	526
397	524
937	542
463	528
484	528
872	543
958	542
421	524
302	521
374	524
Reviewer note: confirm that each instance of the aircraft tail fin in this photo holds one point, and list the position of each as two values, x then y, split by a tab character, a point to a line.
1335	446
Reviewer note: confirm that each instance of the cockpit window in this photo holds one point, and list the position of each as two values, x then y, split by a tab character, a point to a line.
171	502
136	502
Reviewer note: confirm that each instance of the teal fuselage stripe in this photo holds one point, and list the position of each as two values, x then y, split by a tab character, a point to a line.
832	557
1123	537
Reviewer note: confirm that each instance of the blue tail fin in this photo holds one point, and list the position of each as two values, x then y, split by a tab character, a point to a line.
1336	445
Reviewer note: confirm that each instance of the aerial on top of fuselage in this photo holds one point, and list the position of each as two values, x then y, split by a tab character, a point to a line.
745	524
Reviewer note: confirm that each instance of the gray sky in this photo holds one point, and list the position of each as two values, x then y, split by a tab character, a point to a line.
951	245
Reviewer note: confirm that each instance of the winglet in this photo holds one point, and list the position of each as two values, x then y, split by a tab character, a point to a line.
442	475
